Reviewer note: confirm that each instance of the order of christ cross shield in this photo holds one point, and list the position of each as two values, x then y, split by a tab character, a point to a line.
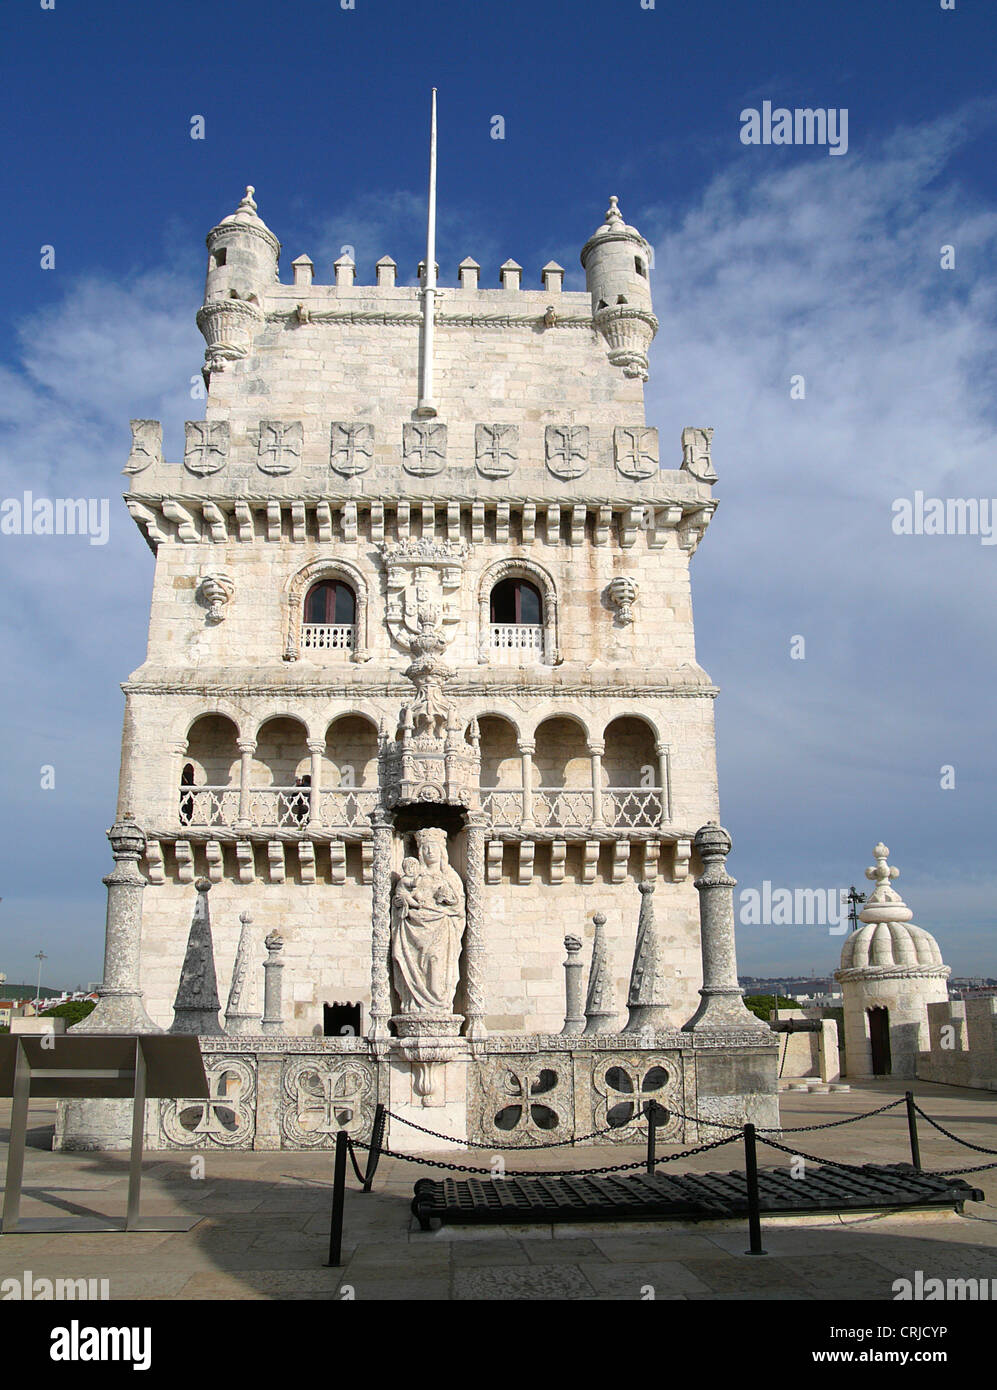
567	448
206	446
280	446
496	449
147	445
351	447
636	448
424	448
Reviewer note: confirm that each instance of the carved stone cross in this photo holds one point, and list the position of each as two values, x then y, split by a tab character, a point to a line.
567	448
351	447
424	448
496	449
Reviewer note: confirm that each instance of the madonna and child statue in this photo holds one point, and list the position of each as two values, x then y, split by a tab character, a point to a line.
427	926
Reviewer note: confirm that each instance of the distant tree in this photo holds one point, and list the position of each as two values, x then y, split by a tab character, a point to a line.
73	1011
761	1005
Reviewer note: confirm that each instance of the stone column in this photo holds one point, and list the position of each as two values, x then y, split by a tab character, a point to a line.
552	654
526	751
273	968
176	794
484	628
721	1006
662	751
120	1008
596	751
574	1008
360	652
474	944
380	943
247	747
316	748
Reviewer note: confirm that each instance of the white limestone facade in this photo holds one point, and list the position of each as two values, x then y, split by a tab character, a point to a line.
537	522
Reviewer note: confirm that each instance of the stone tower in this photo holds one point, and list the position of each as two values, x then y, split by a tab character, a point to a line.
335	564
891	972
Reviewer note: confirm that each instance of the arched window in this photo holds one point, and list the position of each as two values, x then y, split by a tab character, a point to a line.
517	601
330	616
331	601
516	618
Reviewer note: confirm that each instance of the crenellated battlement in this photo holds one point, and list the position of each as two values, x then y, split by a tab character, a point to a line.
509	278
529	342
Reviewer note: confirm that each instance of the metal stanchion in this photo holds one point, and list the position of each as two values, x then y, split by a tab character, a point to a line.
915	1147
376	1141
651	1111
338	1197
751	1173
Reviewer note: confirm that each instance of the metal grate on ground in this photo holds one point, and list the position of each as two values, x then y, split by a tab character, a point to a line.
695	1196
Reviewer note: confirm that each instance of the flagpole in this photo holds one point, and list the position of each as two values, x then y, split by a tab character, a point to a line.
427	406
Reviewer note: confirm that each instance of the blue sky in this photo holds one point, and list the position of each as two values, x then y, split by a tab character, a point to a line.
769	262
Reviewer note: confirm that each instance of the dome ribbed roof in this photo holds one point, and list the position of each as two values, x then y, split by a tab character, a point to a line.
886	944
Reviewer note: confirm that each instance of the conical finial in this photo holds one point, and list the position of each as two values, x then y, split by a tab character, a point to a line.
248	204
195	1009
599	1011
644	1009
242	1013
613	213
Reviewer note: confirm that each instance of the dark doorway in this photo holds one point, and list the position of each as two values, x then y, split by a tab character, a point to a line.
409	819
342	1020
879	1038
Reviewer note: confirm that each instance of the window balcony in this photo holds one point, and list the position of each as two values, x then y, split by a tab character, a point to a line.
283	808
348	806
632	808
208	805
280	808
516	644
328	637
505	808
569	808
557	810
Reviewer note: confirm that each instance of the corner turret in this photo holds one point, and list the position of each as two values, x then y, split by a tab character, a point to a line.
242	265
617	263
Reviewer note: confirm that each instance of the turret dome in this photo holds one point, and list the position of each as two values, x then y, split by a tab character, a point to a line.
889	944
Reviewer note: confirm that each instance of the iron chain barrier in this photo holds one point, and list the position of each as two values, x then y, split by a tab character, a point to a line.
679	1114
977	1148
553	1173
749	1133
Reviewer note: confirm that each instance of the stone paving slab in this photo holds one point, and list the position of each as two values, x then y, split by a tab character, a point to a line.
264	1232
502	1282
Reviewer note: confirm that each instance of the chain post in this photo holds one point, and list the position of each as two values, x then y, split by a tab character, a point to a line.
915	1147
338	1202
650	1110
751	1174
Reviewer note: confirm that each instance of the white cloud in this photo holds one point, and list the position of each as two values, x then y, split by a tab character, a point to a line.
74	620
830	268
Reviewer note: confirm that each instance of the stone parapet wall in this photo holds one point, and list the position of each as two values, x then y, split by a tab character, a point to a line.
297	1093
963	1044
